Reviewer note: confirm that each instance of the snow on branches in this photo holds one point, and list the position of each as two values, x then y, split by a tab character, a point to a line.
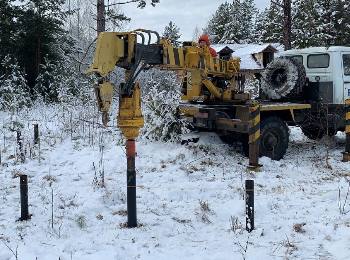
161	98
13	86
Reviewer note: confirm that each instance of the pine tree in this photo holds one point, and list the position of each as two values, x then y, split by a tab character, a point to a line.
259	27
232	26
321	23
342	22
217	25
233	22
305	18
325	26
172	33
248	12
62	82
8	25
41	35
48	80
270	22
74	85
13	86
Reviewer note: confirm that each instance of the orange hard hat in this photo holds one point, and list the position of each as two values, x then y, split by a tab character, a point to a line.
204	38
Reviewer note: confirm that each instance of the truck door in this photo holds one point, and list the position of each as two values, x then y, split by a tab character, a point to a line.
319	72
346	74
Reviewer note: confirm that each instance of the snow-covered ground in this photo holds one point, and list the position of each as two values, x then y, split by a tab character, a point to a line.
190	198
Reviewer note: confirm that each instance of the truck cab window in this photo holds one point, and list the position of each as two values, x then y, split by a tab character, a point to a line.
346	64
318	61
299	58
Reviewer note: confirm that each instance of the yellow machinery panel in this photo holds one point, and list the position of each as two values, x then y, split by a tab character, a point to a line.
109	49
104	96
130	118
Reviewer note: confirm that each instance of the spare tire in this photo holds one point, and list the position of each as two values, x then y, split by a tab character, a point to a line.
283	78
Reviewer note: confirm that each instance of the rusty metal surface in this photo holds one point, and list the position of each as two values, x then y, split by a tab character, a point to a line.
254	154
131	183
346	157
235	125
283	106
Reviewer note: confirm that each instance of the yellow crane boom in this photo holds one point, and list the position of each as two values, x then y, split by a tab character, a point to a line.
206	77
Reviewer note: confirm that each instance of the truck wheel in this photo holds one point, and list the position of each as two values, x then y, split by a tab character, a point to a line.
274	138
332	132
315	127
313	132
284	77
227	138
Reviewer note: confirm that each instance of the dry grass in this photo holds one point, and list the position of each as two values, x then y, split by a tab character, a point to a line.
204	212
120	213
236	225
50	178
181	221
204	206
299	227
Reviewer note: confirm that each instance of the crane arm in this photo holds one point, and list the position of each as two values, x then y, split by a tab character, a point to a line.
115	49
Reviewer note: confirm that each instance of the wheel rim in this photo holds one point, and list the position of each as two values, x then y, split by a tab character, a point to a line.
279	77
270	141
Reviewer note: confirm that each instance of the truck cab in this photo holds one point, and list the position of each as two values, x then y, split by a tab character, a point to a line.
327	71
319	76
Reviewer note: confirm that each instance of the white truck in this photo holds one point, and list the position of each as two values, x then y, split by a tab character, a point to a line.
319	76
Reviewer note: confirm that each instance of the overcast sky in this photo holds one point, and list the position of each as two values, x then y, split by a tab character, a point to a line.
186	14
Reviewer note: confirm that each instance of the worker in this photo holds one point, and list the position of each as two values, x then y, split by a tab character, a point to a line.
204	41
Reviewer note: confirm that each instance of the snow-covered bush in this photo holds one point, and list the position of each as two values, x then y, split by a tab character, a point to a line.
62	82
161	98
12	122
48	81
76	87
14	92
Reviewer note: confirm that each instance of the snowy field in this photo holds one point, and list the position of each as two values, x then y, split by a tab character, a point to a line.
190	198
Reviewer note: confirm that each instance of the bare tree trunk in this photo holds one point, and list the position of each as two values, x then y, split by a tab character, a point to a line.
101	19
287	28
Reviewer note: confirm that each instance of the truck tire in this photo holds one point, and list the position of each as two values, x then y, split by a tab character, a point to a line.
283	78
313	132
274	138
227	138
